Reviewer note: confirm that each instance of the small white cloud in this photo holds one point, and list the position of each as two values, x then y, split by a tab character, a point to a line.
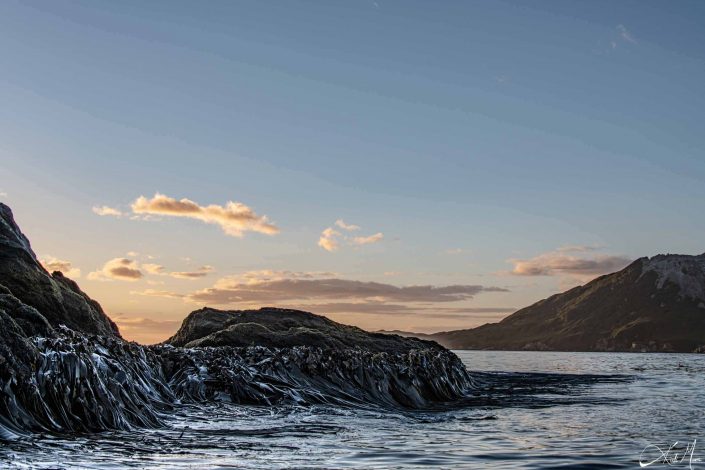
331	239
107	211
377	237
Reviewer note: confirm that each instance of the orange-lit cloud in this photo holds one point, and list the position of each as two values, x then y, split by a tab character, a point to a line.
200	272
559	263
381	308
52	264
121	269
159	293
349	227
152	268
328	239
234	218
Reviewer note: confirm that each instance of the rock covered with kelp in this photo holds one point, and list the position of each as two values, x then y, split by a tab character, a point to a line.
65	369
72	382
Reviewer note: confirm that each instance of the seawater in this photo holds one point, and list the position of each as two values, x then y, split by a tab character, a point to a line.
535	410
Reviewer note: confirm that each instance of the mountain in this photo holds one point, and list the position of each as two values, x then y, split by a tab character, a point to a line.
654	304
57	298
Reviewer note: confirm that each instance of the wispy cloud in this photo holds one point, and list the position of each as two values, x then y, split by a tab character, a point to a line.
52	264
320	293
381	308
107	211
159	293
121	269
152	268
578	248
625	34
557	262
234	218
159	270
233	290
331	239
203	271
377	237
349	227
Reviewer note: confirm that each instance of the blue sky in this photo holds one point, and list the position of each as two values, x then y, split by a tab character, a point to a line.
472	135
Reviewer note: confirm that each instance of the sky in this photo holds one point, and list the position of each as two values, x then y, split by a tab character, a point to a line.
420	166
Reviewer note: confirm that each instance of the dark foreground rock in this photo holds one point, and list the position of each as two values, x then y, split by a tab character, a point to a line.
65	369
73	382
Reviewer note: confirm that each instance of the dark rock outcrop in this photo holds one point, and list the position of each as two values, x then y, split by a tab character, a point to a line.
284	328
57	298
654	304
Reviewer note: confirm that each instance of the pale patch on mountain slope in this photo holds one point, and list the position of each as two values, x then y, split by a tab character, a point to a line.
687	272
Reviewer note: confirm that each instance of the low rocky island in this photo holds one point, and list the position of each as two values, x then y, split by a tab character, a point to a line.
65	368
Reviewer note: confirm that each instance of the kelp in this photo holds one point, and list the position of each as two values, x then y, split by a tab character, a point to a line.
72	382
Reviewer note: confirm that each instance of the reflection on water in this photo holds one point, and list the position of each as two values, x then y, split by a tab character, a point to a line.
600	413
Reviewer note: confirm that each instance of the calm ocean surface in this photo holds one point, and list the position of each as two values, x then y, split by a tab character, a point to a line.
530	419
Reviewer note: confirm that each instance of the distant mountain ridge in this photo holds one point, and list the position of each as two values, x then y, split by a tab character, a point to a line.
654	304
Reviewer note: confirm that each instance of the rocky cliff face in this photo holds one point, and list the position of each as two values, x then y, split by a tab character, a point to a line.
57	298
654	304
